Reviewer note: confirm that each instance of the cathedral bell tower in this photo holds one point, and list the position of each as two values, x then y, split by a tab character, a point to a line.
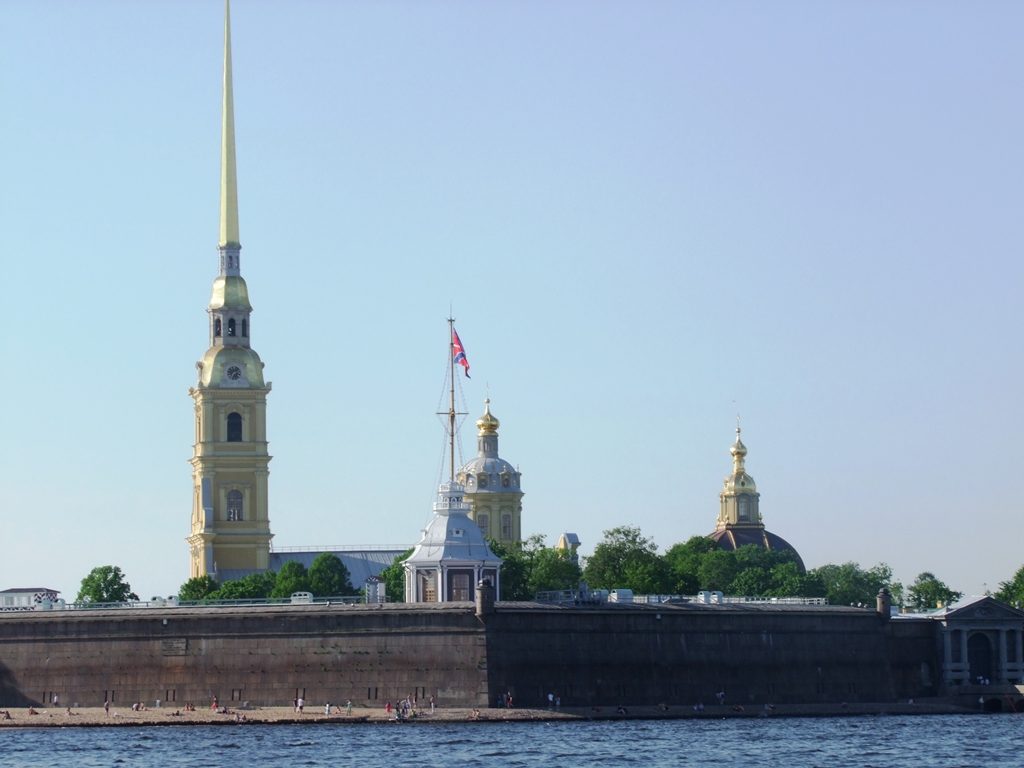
230	523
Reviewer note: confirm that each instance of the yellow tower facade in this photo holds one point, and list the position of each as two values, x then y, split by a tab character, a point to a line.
230	515
493	486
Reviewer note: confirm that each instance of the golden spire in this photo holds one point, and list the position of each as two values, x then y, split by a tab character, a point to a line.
228	180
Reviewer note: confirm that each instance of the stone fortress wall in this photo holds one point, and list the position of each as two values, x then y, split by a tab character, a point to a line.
588	655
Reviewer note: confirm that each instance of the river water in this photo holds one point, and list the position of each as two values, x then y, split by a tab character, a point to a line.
935	741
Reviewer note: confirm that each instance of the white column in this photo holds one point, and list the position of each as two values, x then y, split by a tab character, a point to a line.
947	656
964	663
1001	673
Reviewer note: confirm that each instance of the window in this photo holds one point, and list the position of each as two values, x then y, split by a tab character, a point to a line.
460	587
506	481
216	327
744	507
234	427
506	526
234	505
245	328
482	482
484	521
231	326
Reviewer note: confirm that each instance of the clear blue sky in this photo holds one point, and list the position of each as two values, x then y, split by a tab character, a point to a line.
648	216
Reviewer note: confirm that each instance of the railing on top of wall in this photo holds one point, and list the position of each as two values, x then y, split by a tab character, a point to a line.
596	596
173	602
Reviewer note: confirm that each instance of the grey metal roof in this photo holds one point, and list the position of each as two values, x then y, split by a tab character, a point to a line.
361	563
451	536
29	589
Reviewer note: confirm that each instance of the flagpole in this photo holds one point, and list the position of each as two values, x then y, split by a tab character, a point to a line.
451	398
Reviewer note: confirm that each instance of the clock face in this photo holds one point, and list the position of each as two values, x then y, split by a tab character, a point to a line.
234	373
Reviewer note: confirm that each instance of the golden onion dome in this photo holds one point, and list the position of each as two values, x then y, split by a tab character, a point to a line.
230	292
487	424
738	448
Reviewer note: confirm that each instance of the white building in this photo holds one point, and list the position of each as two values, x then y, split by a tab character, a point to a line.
26	599
452	556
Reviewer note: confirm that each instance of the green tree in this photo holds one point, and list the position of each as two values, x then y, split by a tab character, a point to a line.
849	584
515	570
788	581
394	578
328	577
105	584
292	577
752	582
554	569
253	586
626	559
684	561
197	588
718	571
927	592
1012	591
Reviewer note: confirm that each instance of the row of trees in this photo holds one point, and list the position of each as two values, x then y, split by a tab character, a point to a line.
326	577
623	559
626	559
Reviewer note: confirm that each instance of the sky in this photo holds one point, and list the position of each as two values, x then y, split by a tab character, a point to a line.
646	217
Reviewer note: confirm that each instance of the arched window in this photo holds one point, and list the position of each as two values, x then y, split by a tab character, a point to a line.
234	504
231	326
506	481
743	505
216	327
506	526
245	329
482	481
234	427
484	521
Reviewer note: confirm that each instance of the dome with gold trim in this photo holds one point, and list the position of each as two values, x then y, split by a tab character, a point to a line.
488	472
739	517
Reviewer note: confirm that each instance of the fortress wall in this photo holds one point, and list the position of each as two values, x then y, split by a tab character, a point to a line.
683	655
369	654
639	654
914	657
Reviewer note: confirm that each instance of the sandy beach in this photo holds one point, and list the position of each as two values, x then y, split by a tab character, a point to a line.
92	717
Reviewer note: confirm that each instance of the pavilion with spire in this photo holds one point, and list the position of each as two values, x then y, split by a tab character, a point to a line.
739	516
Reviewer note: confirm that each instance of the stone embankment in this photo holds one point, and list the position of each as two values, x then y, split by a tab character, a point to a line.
96	717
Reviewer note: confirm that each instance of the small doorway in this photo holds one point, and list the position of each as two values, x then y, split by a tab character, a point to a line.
979	657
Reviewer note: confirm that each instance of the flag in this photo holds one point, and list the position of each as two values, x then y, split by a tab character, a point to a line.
459	352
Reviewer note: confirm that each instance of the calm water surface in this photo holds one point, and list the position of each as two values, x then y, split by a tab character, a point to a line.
884	741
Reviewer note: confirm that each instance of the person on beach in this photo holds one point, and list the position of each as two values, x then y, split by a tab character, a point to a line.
106	707
551	702
327	709
558	703
302	704
214	707
721	697
56	700
387	708
348	707
432	705
508	699
621	710
32	711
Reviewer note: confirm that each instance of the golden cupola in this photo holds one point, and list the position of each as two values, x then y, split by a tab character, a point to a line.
739	516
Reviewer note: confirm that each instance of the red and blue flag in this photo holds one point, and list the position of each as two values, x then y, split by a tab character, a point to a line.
459	352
